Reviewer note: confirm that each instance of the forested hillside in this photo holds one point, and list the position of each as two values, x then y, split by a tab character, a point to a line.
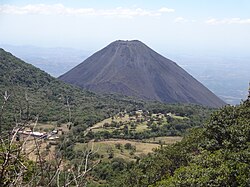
32	92
216	155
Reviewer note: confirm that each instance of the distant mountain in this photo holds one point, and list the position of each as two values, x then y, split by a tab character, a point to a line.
132	68
55	61
34	92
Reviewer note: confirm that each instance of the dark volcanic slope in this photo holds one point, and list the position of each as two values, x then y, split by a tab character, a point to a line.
132	68
47	97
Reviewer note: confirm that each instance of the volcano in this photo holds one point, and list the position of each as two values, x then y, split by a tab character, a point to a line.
132	68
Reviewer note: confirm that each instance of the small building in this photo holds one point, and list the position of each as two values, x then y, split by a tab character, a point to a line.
37	134
54	131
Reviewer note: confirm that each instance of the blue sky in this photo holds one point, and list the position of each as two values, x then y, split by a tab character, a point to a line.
165	25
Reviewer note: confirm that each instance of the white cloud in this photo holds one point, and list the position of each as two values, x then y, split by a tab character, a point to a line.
59	9
180	20
184	20
164	9
214	21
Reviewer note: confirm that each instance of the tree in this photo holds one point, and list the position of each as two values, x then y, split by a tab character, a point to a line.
118	145
216	155
128	146
222	158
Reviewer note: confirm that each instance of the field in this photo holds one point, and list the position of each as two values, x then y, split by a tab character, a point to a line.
110	147
136	122
49	127
46	147
32	145
164	139
107	148
117	147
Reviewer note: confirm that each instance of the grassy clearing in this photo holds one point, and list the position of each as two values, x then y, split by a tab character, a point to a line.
32	146
164	139
46	149
109	120
41	127
179	117
137	122
104	148
102	129
142	127
100	124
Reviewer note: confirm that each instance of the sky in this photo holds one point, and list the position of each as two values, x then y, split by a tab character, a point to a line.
198	26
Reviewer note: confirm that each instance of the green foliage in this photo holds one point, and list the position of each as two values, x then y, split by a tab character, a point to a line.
216	155
34	92
229	128
106	170
14	164
223	158
155	125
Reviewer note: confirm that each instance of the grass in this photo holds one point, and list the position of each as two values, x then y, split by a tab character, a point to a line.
139	128
143	147
109	120
50	126
103	129
142	127
164	139
179	117
31	145
104	147
127	120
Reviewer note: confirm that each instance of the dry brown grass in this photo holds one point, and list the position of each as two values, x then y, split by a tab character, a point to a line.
32	146
104	146
165	139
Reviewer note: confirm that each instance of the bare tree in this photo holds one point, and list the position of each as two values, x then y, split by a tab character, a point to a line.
17	169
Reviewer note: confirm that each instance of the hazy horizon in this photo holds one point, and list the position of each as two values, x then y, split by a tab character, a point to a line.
208	26
209	39
227	77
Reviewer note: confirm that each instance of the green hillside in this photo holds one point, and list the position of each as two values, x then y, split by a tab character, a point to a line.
34	92
216	155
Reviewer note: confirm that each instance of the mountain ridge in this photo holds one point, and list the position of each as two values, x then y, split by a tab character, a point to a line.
34	92
132	68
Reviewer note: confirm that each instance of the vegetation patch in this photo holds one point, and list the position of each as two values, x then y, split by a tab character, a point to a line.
141	124
119	148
